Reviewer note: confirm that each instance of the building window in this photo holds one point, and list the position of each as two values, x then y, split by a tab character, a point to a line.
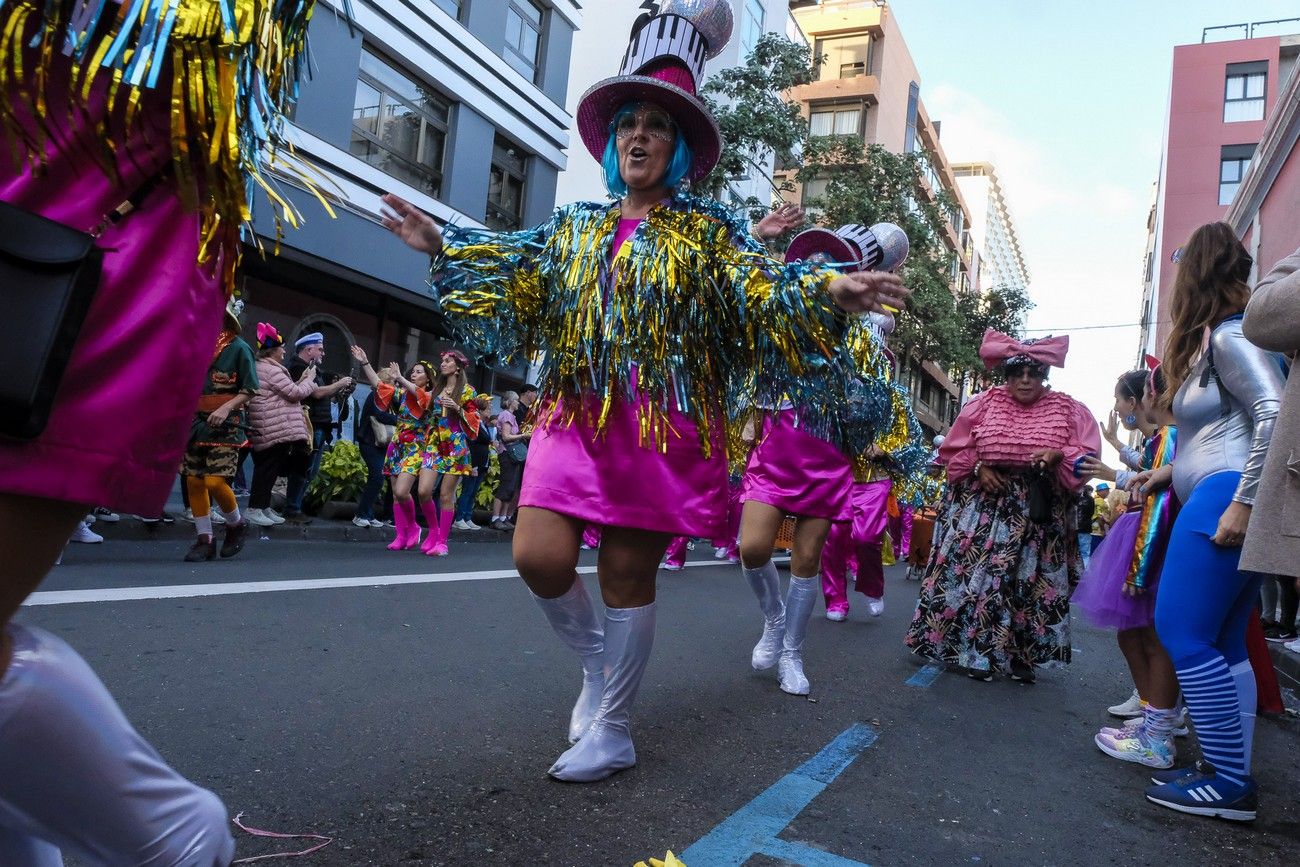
451	7
913	107
399	125
1233	162
836	120
752	27
524	37
814	192
505	205
1243	94
843	57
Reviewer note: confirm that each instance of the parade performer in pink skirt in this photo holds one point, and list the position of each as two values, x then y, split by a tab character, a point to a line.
792	471
647	309
176	108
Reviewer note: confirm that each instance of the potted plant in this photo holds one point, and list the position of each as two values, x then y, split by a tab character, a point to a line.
333	493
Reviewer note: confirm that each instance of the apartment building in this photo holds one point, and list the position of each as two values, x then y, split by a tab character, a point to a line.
867	85
1221	92
455	105
997	260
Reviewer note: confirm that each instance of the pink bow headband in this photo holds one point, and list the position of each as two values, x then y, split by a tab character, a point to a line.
998	348
267	336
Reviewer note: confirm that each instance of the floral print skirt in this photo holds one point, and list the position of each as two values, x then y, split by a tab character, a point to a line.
450	457
405	452
997	585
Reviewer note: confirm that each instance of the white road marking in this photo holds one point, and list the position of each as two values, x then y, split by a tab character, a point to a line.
185	591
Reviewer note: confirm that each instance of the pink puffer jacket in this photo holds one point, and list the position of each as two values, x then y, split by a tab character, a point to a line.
275	412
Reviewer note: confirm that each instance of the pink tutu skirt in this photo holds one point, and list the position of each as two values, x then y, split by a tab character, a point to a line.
611	479
797	472
1100	594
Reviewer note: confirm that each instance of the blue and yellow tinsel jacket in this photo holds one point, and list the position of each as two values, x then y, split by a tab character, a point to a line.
698	306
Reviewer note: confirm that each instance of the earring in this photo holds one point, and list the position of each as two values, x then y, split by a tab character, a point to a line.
1130	420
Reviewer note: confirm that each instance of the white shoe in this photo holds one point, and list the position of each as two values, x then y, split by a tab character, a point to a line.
361	522
259	518
187	515
1127	709
274	516
470	525
108	516
836	615
789	669
216	517
83	533
376	523
1293	646
672	567
586	547
875	607
460	525
719	553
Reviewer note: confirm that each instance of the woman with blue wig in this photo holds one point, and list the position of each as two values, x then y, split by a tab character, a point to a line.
650	309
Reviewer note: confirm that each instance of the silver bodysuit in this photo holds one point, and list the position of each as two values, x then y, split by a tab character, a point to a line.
1225	422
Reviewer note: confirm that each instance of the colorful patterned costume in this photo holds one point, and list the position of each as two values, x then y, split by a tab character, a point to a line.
215	451
406	451
447	438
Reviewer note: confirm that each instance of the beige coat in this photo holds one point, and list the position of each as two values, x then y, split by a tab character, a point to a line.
1273	322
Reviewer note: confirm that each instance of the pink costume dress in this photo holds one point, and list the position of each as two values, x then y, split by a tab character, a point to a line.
797	472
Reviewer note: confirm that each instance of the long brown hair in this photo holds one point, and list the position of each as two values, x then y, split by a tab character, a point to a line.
458	380
1209	286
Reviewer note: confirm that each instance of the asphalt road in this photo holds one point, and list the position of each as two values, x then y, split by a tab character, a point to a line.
414	724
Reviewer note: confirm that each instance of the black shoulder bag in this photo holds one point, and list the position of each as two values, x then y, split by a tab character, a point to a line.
49	274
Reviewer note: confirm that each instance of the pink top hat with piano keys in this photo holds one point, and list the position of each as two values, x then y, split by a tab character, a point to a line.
664	64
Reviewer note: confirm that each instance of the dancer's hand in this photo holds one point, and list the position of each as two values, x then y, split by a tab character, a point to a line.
1093	468
1111	431
779	221
416	228
869	291
1232	526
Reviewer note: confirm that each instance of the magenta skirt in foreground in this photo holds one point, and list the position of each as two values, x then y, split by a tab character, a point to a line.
122	414
611	479
797	472
1100	594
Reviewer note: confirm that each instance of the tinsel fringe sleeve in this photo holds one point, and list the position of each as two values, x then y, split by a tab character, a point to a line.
900	436
490	286
235	65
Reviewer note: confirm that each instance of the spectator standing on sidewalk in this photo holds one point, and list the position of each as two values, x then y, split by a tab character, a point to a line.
279	426
480	450
310	351
1101	514
1086	507
512	451
374	431
1273	322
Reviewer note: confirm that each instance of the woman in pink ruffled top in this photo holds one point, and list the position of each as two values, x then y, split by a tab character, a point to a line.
996	591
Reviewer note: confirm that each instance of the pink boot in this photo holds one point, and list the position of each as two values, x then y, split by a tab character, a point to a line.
439	547
430	511
408	531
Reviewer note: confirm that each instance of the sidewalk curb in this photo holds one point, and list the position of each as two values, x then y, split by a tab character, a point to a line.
1286	663
133	530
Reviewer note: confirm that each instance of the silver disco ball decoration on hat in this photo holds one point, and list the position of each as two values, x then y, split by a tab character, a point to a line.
713	18
894	246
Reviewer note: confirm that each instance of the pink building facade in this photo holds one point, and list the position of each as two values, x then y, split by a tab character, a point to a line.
1221	95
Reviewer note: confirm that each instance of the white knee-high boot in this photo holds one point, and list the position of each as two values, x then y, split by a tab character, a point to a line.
767	587
74	772
798	609
607	746
574	619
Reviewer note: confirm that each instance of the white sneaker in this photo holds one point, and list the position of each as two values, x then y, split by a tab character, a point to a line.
836	615
719	553
376	524
1293	646
83	533
216	517
276	517
108	516
361	522
459	525
188	515
470	525
259	518
875	607
1127	709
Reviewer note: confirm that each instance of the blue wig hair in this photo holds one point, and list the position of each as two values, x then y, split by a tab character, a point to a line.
678	166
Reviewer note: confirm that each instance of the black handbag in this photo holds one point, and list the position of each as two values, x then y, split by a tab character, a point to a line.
1040	497
49	274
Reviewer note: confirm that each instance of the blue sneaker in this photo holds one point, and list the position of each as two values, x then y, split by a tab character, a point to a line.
1200	766
1208	795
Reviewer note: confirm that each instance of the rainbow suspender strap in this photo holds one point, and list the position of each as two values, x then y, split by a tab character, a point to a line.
1156	511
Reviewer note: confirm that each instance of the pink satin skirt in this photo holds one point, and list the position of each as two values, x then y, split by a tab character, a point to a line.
797	472
122	413
612	479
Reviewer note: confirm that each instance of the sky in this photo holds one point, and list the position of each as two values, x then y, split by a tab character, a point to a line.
1068	100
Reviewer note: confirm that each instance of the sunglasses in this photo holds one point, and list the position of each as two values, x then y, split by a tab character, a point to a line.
1034	371
655	123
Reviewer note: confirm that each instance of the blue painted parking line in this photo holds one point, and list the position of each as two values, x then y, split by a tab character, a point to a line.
926	676
753	829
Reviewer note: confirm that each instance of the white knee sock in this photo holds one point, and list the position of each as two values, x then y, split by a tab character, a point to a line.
232	517
1243	678
203	526
74	772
